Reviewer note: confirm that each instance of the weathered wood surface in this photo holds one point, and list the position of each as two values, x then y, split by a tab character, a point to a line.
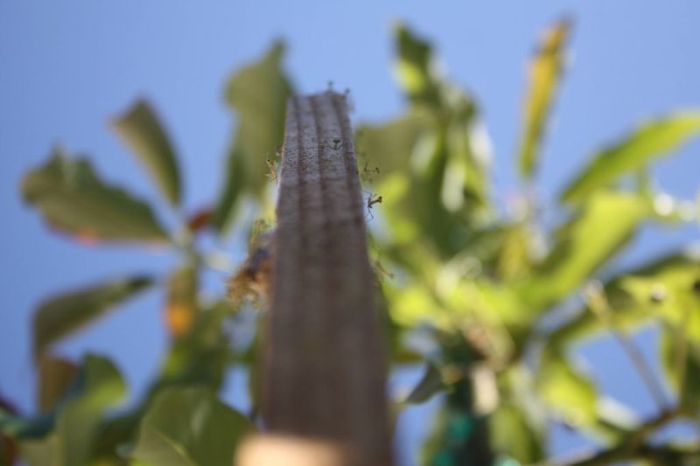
324	361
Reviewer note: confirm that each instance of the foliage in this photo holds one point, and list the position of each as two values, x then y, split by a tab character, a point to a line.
483	284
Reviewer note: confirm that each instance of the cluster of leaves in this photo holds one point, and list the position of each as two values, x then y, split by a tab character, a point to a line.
82	417
483	285
505	298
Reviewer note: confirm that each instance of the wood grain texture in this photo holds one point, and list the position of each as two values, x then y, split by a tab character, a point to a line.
325	363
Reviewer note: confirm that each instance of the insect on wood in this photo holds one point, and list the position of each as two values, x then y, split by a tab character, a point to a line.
324	357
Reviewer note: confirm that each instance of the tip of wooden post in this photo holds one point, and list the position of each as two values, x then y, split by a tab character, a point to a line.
274	450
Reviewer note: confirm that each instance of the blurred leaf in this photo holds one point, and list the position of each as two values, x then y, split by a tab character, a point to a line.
99	386
465	184
201	356
518	426
62	315
635	296
258	93
513	259
680	360
189	427
512	434
567	391
386	148
430	384
544	74
8	445
56	376
73	199
141	130
414	67
8	451
181	306
601	229
650	141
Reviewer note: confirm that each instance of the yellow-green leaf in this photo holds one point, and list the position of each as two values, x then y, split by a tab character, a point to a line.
140	129
567	391
62	315
597	232
650	141
545	73
74	200
635	297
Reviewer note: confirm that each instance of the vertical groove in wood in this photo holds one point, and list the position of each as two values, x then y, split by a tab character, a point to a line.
324	367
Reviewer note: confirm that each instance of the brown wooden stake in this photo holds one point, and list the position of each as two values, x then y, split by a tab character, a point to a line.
325	362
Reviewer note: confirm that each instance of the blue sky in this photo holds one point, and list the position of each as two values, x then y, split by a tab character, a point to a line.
67	66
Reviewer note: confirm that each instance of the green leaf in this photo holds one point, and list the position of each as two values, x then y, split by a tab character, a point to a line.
74	200
62	315
650	141
602	227
201	356
99	386
680	360
189	427
513	434
637	296
414	67
544	74
258	93
140	129
567	391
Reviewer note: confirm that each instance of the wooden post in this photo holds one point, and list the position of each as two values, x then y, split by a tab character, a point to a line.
324	358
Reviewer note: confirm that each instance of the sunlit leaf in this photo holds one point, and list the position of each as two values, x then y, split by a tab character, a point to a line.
636	296
465	183
567	391
599	231
74	200
62	315
649	142
258	94
545	71
181	305
141	130
680	360
512	434
55	377
189	427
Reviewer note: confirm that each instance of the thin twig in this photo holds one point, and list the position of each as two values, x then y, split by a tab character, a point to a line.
633	446
598	303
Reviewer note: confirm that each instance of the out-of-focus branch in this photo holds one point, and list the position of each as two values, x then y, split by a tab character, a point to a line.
634	447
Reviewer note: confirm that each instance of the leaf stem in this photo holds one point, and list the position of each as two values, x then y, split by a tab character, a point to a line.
598	303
